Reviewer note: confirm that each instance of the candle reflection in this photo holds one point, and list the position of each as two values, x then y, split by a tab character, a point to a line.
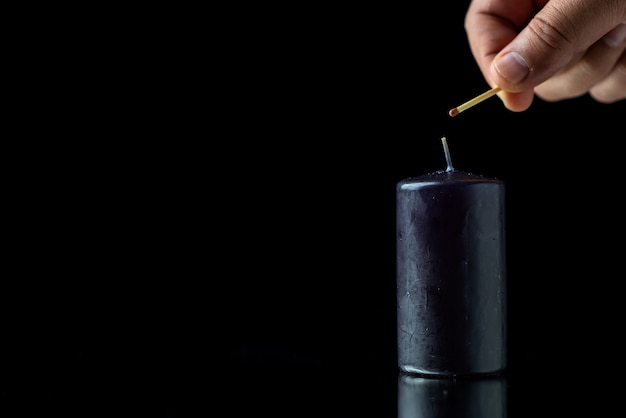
420	397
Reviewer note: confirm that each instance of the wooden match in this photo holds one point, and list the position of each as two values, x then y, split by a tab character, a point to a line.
455	111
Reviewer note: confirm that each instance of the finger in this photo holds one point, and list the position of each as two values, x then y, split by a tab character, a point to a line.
557	34
593	66
612	88
491	25
516	102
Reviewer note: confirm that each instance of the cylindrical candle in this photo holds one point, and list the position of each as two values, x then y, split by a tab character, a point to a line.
451	274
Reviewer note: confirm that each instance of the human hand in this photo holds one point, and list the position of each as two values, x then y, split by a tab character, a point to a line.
556	49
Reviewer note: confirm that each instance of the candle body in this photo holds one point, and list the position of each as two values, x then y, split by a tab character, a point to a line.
451	274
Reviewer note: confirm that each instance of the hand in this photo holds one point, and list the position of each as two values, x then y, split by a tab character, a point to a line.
556	49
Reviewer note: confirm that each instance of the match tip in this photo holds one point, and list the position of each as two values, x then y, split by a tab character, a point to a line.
453	112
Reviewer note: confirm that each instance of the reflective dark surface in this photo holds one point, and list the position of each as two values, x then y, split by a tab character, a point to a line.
454	398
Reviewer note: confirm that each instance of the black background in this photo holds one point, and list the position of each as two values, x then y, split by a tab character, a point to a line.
203	216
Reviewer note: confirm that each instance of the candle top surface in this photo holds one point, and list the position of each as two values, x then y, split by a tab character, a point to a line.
444	177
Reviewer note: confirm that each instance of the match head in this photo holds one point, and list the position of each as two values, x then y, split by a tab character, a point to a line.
453	112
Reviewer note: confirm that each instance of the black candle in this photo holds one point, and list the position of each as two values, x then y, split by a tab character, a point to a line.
451	281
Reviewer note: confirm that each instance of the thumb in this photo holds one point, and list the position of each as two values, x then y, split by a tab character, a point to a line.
558	34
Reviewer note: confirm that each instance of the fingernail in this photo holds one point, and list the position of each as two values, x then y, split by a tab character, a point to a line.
512	67
616	36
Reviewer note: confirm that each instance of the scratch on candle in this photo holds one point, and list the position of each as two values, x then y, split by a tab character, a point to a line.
409	333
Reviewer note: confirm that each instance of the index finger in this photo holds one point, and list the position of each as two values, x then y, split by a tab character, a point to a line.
492	24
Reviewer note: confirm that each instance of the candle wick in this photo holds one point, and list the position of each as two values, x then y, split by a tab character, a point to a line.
447	152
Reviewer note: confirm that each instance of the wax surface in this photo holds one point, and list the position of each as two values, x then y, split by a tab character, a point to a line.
451	281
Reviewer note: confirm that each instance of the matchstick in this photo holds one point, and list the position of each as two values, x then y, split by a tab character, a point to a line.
455	111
